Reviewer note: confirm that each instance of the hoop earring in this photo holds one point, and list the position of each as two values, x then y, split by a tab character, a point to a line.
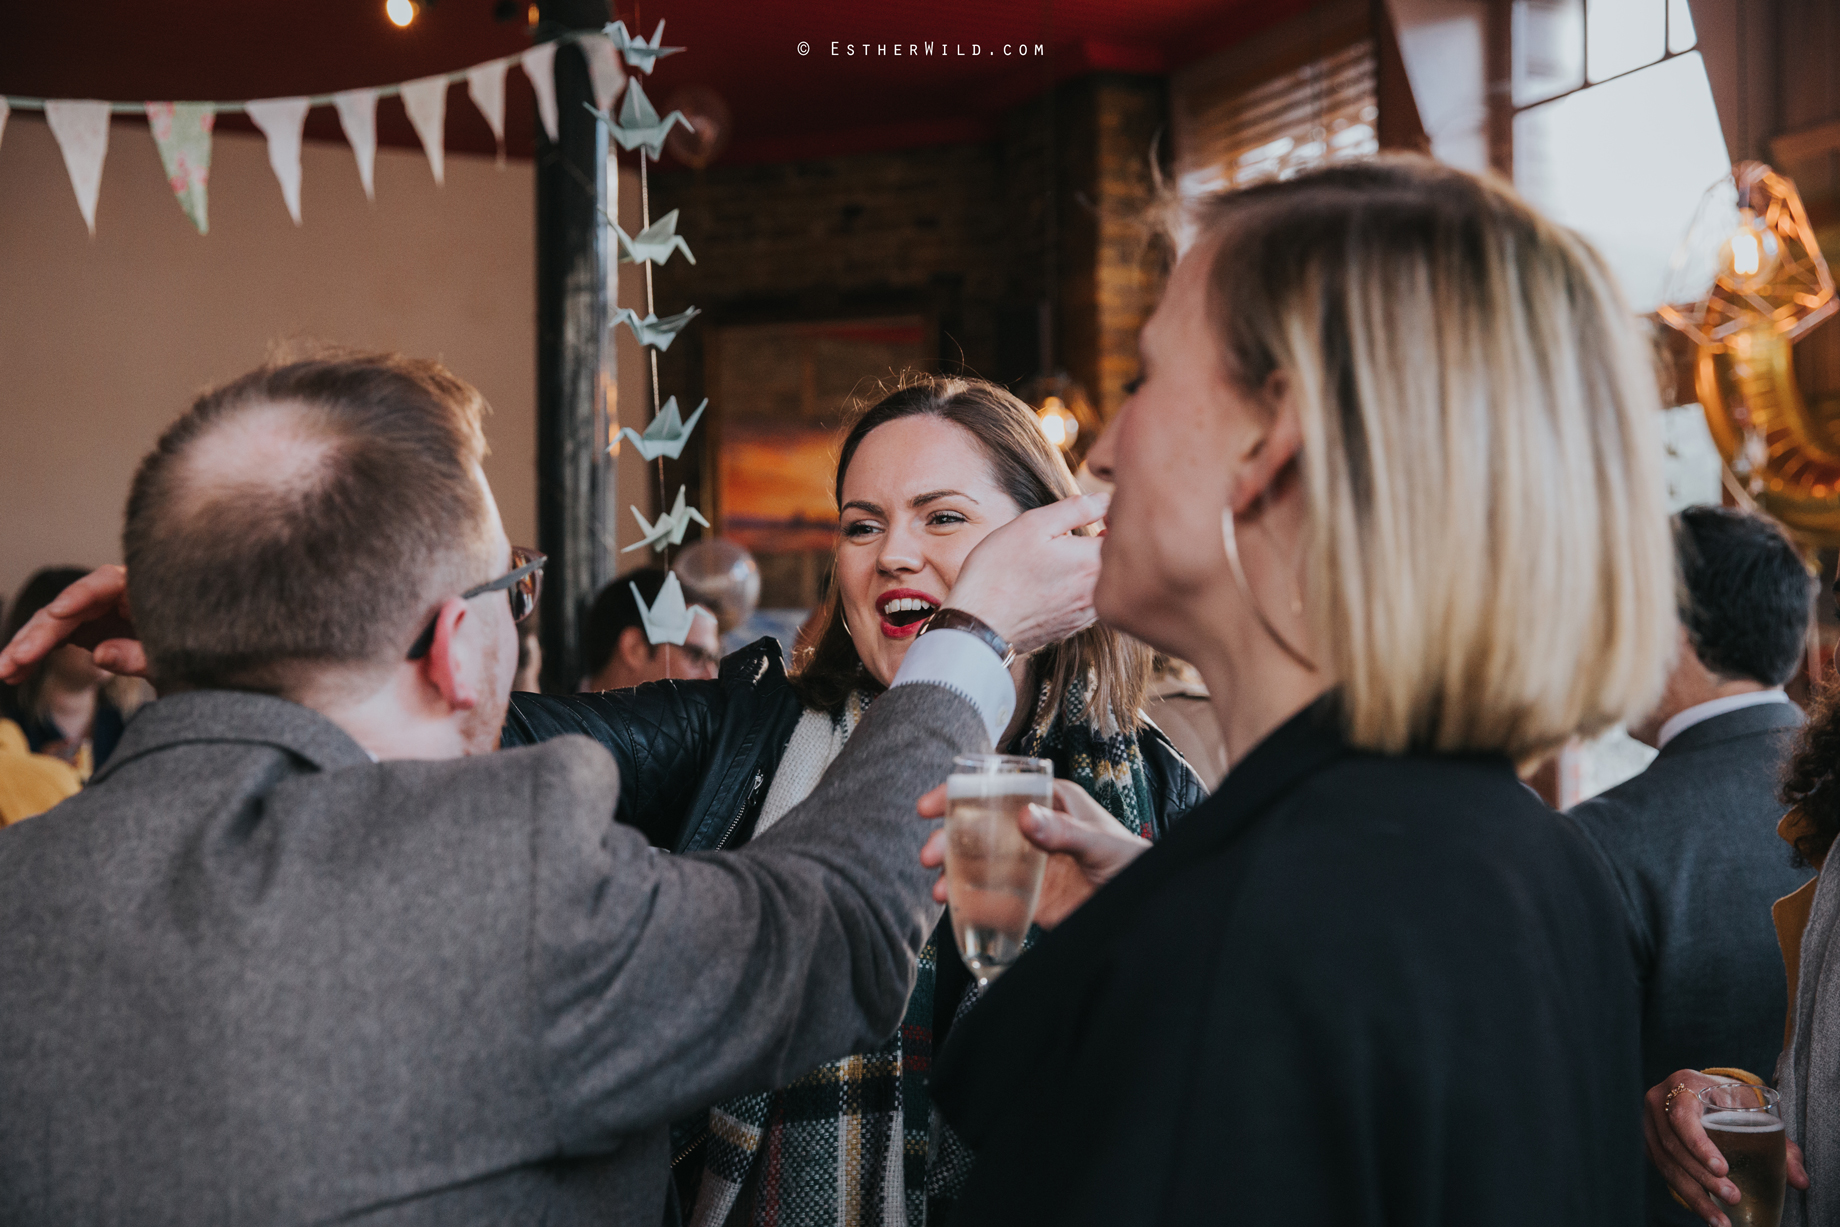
1245	590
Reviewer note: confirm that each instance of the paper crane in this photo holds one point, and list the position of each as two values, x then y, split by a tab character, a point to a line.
640	54
639	124
653	244
668	620
668	433
658	333
669	529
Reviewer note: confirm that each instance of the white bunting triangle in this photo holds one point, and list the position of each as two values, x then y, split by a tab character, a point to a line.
281	120
539	64
358	116
604	71
82	132
426	102
5	110
485	85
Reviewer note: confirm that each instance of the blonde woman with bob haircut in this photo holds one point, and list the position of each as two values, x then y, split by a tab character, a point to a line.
1391	481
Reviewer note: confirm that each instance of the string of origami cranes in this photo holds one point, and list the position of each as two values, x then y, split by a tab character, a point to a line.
638	127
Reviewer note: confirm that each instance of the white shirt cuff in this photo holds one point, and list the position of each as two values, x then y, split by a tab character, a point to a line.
965	665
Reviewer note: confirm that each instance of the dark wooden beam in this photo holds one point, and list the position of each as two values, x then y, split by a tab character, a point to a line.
1498	84
575	476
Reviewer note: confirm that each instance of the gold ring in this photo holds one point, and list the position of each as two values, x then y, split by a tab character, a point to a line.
1667	1105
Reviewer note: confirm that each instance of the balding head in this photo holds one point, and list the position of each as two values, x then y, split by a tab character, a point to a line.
306	516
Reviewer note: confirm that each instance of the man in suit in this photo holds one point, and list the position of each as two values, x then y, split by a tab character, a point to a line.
305	951
1692	842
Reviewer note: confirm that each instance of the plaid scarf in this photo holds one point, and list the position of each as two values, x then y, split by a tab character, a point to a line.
856	1143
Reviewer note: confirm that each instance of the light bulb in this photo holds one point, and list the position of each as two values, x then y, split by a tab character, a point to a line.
1746	254
1751	255
1058	425
400	12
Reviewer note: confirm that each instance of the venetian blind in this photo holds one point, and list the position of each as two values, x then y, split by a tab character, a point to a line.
1324	111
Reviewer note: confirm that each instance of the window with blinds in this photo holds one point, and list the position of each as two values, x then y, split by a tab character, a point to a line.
1324	111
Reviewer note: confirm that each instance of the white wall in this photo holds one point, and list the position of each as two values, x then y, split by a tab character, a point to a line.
104	341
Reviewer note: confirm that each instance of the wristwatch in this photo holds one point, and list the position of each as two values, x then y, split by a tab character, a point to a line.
949	619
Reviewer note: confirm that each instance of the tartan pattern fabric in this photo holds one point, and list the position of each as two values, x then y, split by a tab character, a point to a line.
856	1143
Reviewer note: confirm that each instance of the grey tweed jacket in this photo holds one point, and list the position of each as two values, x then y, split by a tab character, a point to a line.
250	976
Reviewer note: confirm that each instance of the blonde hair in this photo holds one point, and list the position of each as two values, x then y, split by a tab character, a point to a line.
1488	563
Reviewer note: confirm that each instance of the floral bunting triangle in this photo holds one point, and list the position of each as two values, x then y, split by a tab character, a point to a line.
426	102
82	131
358	117
182	133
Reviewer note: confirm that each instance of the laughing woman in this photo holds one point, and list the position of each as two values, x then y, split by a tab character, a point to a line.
923	476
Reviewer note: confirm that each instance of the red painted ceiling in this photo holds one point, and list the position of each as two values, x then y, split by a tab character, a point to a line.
786	104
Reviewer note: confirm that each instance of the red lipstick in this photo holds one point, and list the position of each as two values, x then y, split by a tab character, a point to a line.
903	611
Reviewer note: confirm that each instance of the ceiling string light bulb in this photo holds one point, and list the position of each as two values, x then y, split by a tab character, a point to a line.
400	12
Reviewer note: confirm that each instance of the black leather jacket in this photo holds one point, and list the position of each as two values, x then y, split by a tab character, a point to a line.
696	758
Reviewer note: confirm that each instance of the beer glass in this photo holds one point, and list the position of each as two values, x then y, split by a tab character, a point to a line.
993	873
1744	1123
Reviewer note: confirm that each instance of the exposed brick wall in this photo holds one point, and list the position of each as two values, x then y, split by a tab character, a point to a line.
811	239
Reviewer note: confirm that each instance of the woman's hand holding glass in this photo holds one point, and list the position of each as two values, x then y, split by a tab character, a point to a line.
1087	848
1687	1159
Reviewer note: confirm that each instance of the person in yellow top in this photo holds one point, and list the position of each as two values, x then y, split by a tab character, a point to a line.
30	783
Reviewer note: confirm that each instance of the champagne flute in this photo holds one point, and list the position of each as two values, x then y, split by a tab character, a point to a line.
993	873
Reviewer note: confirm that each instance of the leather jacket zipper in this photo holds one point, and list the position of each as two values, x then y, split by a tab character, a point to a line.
740	810
691	1145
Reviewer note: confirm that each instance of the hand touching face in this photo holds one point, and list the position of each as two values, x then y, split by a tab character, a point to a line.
918	495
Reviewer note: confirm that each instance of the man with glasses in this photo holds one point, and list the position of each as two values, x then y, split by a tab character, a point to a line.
308	950
616	652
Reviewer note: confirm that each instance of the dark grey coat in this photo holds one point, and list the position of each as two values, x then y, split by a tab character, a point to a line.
1692	845
250	976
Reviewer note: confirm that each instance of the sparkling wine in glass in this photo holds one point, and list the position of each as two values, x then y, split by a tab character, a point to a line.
993	873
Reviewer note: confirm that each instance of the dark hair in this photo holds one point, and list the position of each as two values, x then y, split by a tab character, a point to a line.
237	581
1033	474
1810	782
37	592
612	612
1746	594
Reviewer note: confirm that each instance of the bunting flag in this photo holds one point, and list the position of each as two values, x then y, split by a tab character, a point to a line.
281	120
485	85
426	102
358	116
182	133
604	71
82	132
539	64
